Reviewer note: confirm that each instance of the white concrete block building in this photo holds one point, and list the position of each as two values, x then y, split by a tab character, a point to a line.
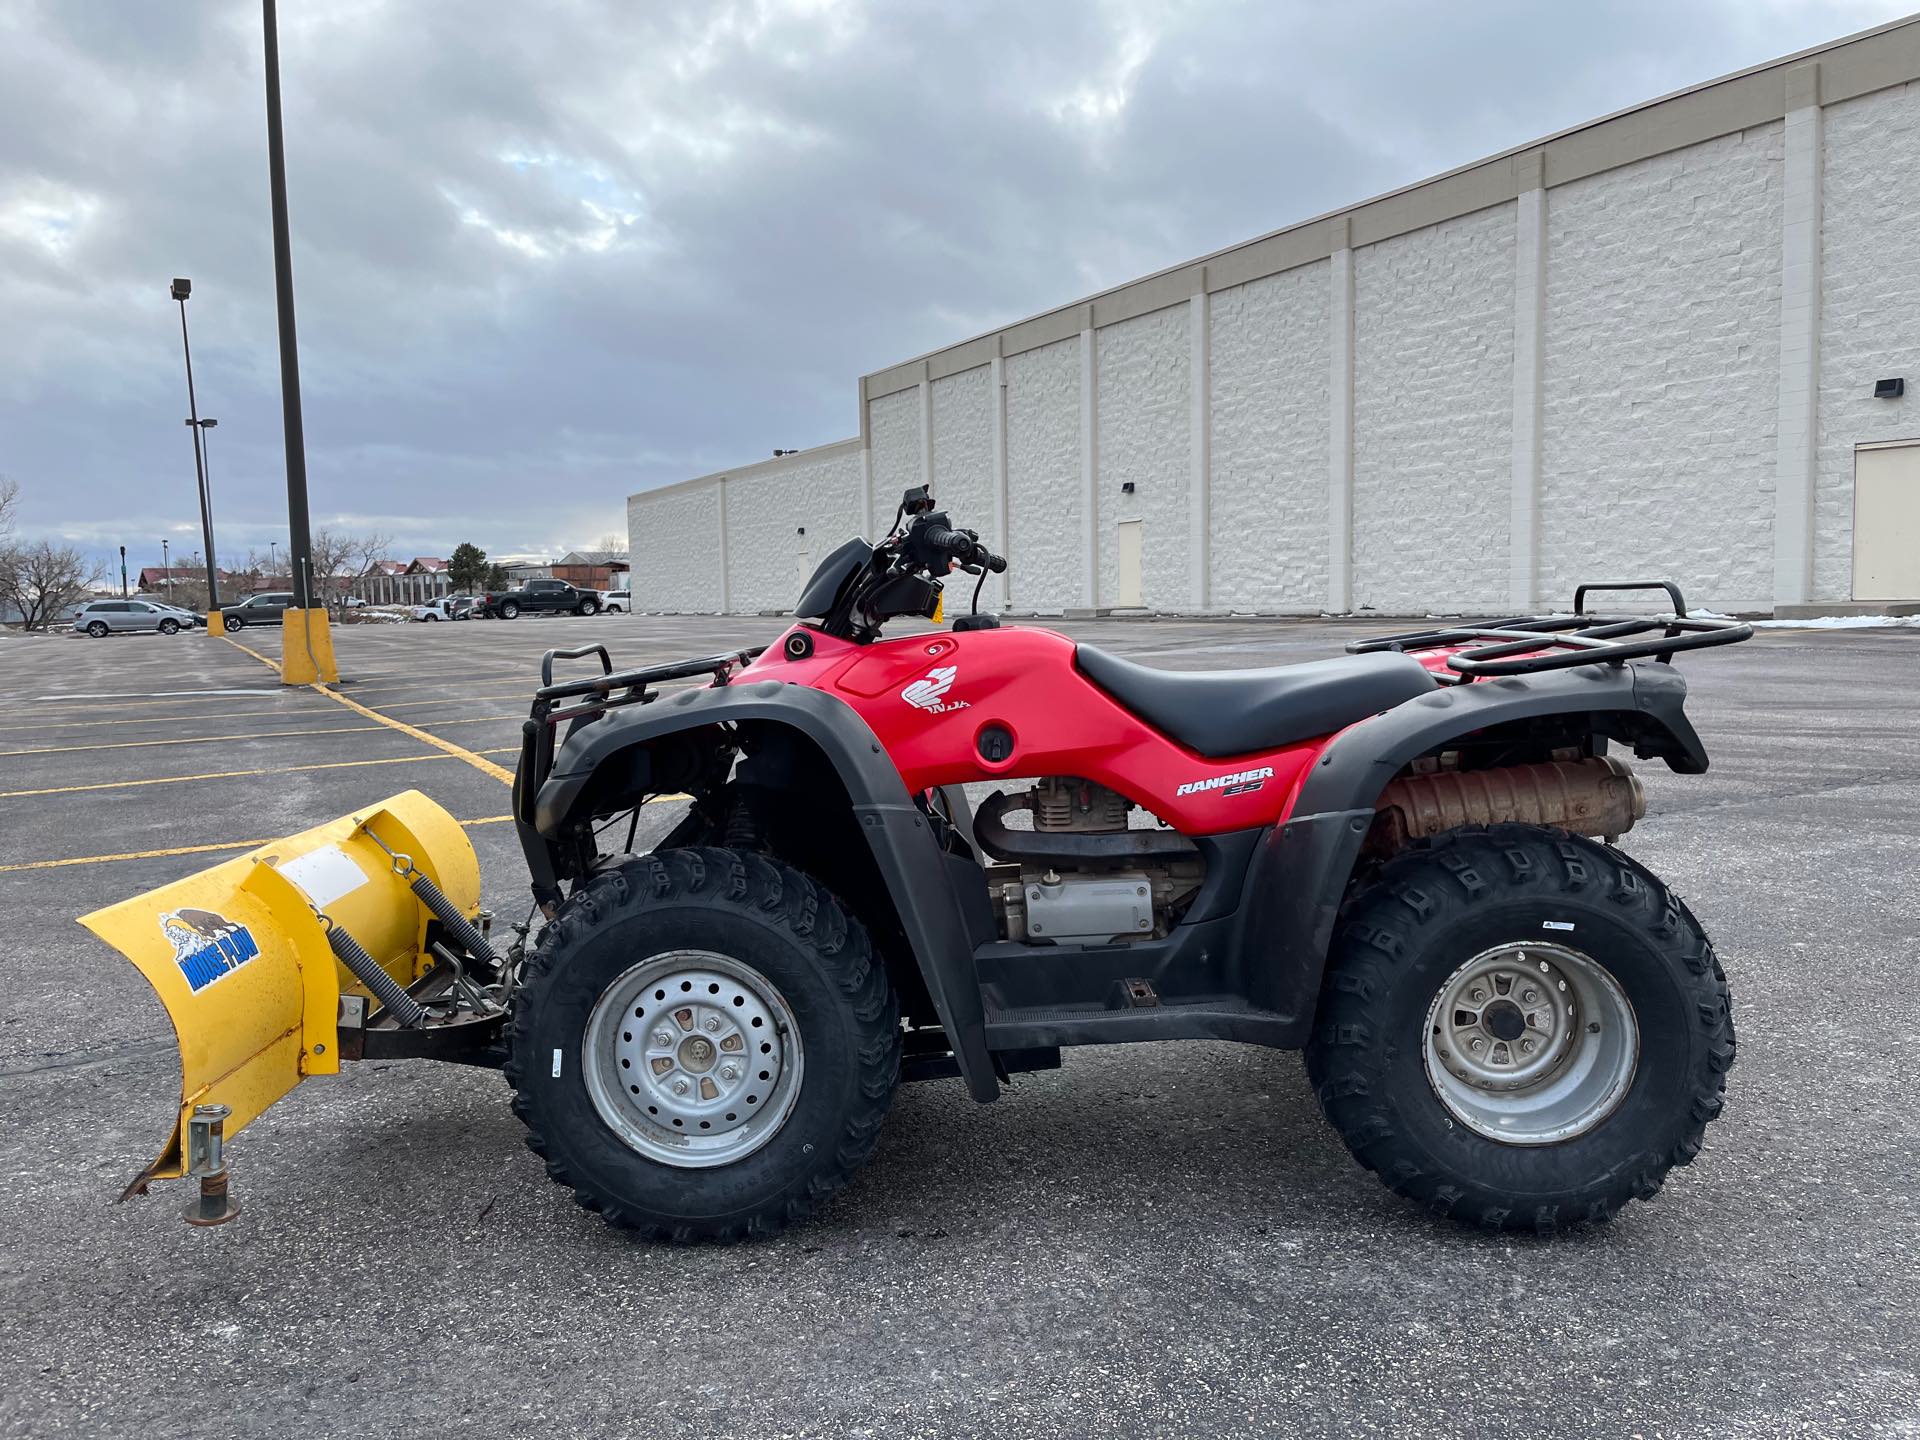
1678	342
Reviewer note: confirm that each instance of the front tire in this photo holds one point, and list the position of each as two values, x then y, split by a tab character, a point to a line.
233	622
169	627
588	607
1521	1029
624	1043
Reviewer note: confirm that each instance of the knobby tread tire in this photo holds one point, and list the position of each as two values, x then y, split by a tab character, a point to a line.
1397	942
797	911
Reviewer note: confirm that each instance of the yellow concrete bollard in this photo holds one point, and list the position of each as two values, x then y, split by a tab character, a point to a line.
306	648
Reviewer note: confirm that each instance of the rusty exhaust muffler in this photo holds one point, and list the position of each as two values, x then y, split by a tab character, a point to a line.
1598	796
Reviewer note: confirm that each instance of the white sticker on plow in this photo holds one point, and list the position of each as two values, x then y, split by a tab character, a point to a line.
324	875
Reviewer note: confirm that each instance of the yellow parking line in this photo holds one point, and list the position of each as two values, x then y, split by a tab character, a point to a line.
192	740
272	665
220	775
186	850
458	752
17	720
23	720
247	735
499	772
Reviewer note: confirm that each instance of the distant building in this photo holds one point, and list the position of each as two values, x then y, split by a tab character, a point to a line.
1677	342
591	569
403	582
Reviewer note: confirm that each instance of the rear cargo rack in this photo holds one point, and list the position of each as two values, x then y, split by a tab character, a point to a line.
1528	644
609	690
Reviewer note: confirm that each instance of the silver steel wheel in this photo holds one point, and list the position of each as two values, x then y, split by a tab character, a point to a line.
1531	1044
693	1058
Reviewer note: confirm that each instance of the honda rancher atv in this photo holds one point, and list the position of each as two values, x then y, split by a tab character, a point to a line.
1400	860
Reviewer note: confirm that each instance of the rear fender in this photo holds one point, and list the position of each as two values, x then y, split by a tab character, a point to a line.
1298	881
909	858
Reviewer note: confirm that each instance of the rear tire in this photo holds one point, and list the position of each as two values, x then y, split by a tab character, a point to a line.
786	952
1616	952
507	612
97	629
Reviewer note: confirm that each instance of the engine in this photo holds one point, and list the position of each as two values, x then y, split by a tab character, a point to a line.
1081	873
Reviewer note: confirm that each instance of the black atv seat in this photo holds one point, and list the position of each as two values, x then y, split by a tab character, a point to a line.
1234	712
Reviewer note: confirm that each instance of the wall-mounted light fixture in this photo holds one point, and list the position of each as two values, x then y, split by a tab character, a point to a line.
1889	389
1126	487
803	530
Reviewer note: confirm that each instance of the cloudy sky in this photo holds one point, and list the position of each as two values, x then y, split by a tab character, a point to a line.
548	254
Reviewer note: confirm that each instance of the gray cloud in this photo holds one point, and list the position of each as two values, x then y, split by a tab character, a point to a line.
546	255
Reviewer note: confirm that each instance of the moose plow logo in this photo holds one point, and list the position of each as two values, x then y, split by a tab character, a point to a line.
927	694
207	946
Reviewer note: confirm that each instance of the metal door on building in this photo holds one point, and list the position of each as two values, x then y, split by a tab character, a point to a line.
1126	564
1886	521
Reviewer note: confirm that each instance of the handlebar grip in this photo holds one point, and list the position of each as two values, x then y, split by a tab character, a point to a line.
996	563
956	543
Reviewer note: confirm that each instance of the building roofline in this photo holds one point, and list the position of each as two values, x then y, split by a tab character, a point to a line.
792	460
1842	69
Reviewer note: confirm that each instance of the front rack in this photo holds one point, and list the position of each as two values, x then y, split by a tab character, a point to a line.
1528	644
609	690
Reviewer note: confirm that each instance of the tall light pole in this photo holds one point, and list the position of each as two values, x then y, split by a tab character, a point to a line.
312	658
182	288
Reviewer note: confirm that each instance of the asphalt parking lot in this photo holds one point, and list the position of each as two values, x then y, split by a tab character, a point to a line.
1151	1240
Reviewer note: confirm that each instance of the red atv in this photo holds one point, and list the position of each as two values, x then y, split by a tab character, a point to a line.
1387	859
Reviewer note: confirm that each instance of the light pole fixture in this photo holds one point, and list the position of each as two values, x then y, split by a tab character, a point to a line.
181	289
306	642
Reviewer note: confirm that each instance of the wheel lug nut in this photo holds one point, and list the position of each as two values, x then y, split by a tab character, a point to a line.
713	1024
663	1036
1479	994
1531	996
728	1072
1476	1044
679	1087
1527	1046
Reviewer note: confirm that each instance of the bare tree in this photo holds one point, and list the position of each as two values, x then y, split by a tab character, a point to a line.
339	559
43	580
611	547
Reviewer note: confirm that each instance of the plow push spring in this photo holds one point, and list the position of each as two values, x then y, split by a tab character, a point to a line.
448	913
402	1006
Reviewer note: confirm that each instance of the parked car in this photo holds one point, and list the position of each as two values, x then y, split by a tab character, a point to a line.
619	602
267	609
447	607
100	618
552	597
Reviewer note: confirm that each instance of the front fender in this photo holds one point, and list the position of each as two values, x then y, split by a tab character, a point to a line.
903	845
1298	881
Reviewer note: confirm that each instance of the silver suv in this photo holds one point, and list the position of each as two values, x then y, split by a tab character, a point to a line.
100	618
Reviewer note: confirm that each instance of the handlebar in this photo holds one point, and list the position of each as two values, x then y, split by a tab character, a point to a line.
964	546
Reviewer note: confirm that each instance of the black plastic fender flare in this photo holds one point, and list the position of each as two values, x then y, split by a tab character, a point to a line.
903	844
1297	882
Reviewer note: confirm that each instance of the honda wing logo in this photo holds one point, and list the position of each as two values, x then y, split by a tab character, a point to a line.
928	694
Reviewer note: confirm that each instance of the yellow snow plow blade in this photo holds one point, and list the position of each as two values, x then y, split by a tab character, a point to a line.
240	954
